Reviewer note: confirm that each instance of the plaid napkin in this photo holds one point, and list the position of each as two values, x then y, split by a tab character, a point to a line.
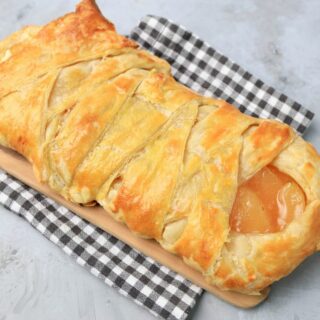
205	70
165	293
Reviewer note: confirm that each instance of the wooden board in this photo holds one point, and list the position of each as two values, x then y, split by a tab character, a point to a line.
18	167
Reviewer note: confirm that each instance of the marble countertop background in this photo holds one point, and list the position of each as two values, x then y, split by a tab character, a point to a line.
277	41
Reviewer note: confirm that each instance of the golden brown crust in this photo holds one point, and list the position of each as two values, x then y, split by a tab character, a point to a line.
102	120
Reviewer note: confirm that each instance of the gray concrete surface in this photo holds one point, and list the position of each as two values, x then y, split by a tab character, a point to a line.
278	41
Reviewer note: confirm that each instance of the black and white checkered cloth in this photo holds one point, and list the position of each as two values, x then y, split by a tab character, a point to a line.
163	292
203	69
150	284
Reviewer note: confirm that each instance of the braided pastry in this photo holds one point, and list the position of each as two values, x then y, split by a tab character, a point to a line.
104	122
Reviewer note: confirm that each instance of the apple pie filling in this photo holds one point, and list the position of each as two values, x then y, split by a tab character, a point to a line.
267	202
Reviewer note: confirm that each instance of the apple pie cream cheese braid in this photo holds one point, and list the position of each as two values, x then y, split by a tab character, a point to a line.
105	123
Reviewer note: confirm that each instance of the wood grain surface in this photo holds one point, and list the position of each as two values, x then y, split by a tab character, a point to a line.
18	167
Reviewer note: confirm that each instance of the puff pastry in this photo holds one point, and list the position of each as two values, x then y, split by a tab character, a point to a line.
103	121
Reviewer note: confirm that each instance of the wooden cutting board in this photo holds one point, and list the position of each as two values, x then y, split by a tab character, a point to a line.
18	167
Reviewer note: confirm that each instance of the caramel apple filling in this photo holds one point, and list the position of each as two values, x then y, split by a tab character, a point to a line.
266	203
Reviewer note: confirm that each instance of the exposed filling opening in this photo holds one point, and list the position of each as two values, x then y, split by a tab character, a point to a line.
267	202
